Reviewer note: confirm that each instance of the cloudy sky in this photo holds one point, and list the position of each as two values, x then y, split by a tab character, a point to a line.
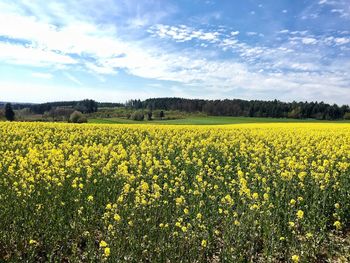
114	50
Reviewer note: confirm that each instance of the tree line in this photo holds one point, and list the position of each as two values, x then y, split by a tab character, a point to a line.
253	108
227	107
84	106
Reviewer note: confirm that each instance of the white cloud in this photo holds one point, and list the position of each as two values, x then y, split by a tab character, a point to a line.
309	40
73	79
342	13
183	33
284	31
101	50
342	40
251	33
29	55
45	93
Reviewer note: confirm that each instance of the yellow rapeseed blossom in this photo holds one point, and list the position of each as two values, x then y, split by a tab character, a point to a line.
177	184
337	225
33	242
295	258
291	224
309	235
106	251
300	214
117	217
103	244
255	196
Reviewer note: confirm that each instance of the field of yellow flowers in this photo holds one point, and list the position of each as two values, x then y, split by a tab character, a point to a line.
139	193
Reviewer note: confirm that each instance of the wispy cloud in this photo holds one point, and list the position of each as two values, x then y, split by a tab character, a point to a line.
215	60
184	33
73	79
33	56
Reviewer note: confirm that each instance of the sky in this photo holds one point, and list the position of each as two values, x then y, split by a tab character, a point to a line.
116	50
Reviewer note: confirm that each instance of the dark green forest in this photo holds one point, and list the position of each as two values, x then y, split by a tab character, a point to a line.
227	107
253	108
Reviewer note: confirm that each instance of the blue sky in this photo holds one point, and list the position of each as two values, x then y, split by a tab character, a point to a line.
115	50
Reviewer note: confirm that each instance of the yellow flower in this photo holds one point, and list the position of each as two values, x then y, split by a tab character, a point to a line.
107	251
309	235
337	225
144	186
90	198
337	205
117	217
292	202
179	200
204	243
228	199
291	224
103	244
300	214
33	242
266	196
295	258
199	216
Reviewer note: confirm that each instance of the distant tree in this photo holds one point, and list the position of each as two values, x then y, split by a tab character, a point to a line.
137	116
347	116
81	108
227	107
295	113
77	117
2	114
87	106
149	115
253	108
135	104
161	115
9	113
60	113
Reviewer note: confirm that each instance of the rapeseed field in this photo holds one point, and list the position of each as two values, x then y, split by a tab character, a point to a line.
140	193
